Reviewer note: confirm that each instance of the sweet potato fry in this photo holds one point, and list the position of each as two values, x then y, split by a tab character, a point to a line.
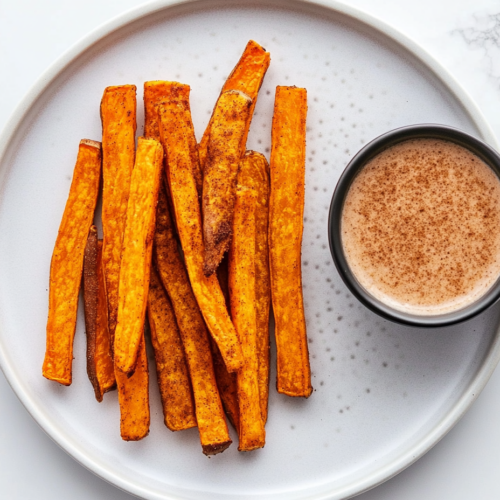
104	360
137	252
67	263
207	291
171	367
286	213
133	397
118	115
254	173
214	435
221	169
243	311
226	382
247	76
227	385
157	93
100	367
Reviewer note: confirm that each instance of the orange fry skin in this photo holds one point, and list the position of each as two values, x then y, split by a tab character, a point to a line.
67	263
187	211
118	116
247	76
243	311
90	298
137	252
99	362
171	367
133	397
228	389
104	362
214	435
254	173
157	93
286	214
221	169
226	382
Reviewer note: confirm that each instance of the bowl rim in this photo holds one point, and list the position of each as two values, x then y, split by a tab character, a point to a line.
353	168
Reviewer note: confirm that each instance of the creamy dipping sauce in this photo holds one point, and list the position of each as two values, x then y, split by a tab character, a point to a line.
421	227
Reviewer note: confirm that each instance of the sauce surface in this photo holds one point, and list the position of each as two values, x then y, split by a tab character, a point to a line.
421	227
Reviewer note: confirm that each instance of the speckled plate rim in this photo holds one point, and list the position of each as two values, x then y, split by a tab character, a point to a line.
49	77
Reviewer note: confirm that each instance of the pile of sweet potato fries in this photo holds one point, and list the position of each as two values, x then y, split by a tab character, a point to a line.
198	237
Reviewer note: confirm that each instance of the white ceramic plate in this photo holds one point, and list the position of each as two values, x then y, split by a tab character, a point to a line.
384	394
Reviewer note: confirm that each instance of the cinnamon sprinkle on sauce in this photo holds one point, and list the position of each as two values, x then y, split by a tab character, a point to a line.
421	226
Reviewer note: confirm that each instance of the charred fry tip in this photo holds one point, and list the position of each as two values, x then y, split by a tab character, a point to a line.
214	449
211	265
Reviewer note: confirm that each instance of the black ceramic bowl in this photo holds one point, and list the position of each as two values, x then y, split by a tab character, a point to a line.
428	131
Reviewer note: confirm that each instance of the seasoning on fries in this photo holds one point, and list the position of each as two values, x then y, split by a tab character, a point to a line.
214	435
157	93
220	172
226	382
171	366
174	133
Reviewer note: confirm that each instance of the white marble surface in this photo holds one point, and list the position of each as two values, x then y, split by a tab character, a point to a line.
464	35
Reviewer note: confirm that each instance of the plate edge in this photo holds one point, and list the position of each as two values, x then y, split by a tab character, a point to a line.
442	74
